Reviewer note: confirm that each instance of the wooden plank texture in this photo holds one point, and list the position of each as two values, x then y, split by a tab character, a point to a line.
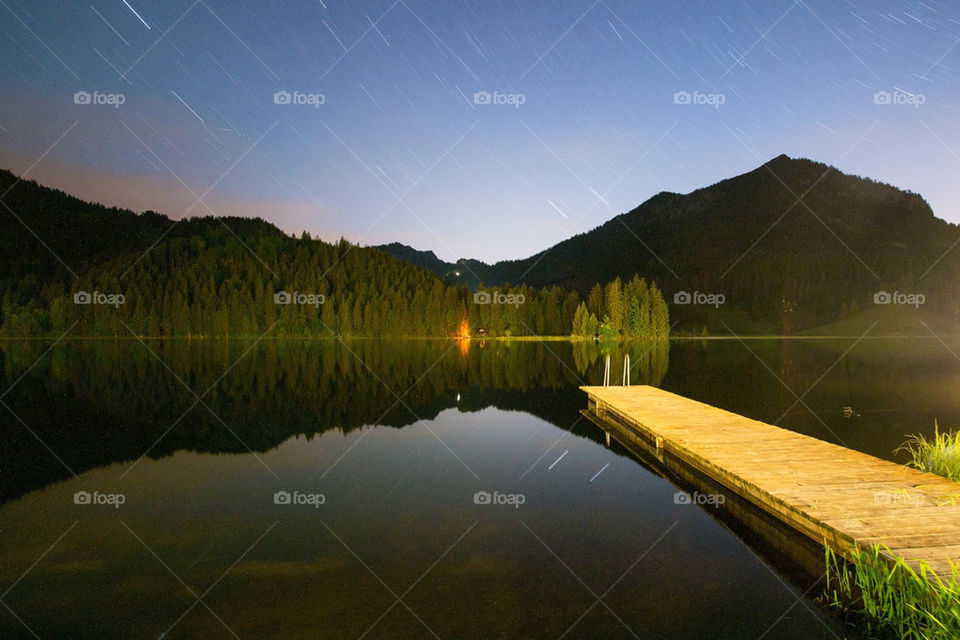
829	493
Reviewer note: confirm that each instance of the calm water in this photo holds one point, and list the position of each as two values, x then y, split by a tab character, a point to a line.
385	448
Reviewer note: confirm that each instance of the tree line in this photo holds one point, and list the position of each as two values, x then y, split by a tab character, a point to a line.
214	284
634	310
98	271
210	286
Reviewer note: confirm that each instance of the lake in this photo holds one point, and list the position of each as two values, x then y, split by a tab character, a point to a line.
417	489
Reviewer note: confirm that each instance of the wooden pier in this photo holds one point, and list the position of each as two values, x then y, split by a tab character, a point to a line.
827	492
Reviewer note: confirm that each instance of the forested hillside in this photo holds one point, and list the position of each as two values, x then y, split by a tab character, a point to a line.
65	263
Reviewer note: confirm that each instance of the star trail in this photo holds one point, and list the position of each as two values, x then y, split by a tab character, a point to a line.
475	129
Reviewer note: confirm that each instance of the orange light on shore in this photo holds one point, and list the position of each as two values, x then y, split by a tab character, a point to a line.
463	331
463	337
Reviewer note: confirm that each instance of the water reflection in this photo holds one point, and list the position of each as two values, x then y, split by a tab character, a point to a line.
399	518
98	402
320	417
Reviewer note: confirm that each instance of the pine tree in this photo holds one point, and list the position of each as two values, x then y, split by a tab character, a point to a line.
593	325
581	319
645	327
328	316
659	314
595	300
634	323
614	304
568	310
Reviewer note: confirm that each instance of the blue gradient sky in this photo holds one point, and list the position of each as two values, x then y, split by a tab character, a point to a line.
399	150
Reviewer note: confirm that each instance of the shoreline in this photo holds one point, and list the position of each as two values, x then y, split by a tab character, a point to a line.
538	338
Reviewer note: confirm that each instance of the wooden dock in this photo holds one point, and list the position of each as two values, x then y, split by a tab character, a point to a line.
827	492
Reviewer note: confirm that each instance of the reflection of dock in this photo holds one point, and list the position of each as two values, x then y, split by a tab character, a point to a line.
827	492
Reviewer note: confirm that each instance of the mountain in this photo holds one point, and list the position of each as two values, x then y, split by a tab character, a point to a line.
791	245
425	259
69	266
463	271
778	260
66	263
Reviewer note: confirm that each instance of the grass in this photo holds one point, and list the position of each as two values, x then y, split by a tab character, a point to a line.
888	320
939	455
891	598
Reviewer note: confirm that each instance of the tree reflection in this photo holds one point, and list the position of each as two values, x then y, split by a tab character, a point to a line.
104	401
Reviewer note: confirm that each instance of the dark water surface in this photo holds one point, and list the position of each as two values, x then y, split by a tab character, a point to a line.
386	447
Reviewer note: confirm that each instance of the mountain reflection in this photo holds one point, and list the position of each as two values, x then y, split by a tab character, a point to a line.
94	403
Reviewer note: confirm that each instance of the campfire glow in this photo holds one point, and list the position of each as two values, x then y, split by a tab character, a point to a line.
463	331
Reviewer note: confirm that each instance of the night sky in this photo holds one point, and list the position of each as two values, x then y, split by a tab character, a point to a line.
369	120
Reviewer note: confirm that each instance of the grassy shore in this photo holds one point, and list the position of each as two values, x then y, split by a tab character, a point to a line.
892	599
888	596
939	454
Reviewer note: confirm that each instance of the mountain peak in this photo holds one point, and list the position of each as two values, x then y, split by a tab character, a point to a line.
750	238
398	247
